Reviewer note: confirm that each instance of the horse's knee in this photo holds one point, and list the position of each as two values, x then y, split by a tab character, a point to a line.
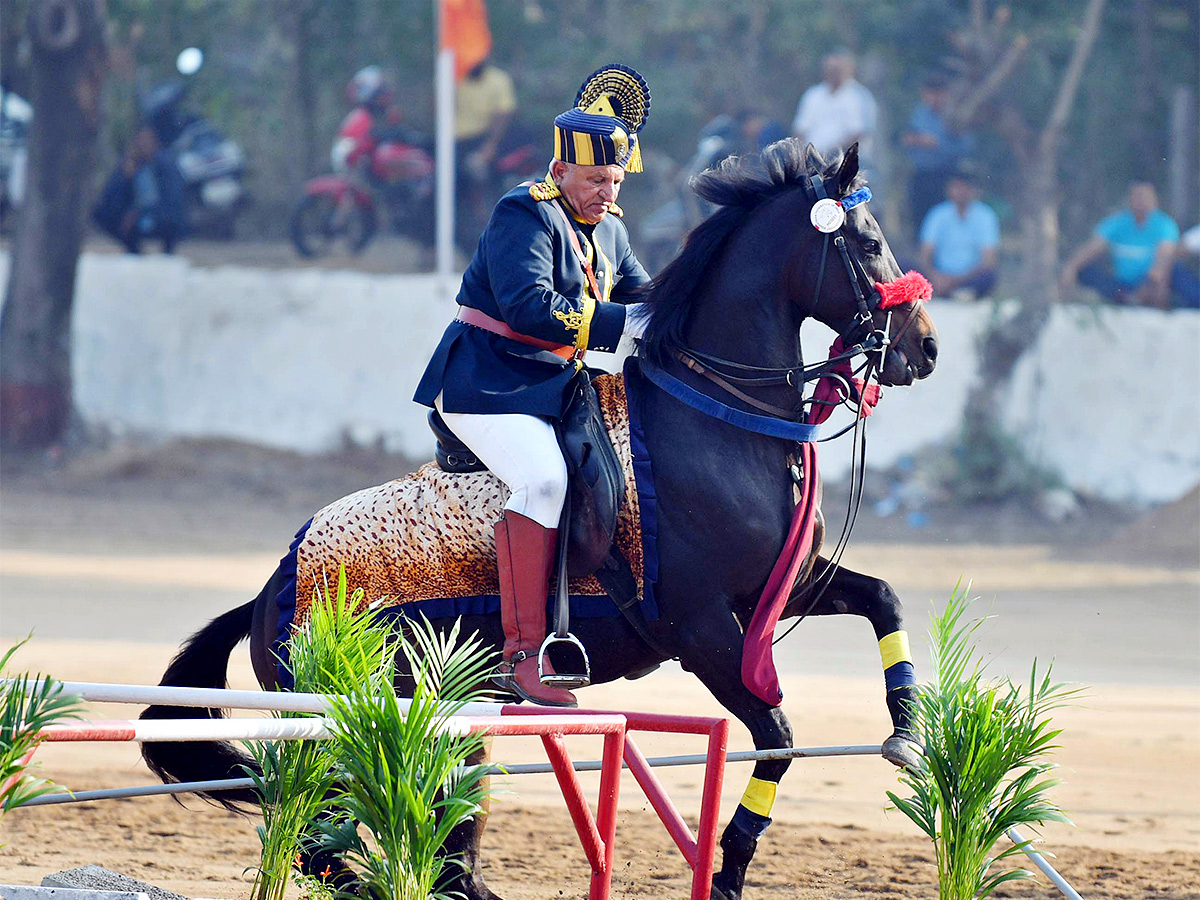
771	732
883	608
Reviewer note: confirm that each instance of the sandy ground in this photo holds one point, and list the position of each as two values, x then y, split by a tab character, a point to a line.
113	560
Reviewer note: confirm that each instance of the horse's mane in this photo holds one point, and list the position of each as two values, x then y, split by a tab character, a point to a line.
737	185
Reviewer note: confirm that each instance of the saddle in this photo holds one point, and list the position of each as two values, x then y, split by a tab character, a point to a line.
597	482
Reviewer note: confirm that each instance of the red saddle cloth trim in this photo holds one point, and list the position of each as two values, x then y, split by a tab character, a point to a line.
758	661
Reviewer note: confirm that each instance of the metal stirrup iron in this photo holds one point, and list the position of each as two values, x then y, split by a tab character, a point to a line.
562	618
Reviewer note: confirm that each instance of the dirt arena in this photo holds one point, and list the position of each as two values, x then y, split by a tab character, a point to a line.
115	557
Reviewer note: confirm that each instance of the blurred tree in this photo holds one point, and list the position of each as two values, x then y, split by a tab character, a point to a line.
67	65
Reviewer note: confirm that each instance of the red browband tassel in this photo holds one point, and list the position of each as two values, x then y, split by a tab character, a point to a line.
908	288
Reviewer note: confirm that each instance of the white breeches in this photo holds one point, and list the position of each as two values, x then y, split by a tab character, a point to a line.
522	451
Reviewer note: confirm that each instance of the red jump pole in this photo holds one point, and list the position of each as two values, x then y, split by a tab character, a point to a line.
710	811
657	795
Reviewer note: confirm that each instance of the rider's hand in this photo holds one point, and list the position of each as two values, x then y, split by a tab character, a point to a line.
636	317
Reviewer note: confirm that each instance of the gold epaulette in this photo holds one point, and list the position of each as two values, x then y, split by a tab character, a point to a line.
616	211
544	190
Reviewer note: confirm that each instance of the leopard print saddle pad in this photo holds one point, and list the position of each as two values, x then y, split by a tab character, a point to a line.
428	535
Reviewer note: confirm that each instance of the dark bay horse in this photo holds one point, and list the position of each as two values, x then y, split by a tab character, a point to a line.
740	289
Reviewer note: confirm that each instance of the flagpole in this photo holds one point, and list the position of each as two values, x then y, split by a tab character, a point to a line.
444	92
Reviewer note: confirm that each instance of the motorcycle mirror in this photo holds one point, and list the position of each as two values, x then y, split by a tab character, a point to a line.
189	61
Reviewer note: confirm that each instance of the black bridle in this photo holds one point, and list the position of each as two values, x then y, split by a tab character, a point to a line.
859	338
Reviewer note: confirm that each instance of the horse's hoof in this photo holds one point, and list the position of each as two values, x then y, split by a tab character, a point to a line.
903	751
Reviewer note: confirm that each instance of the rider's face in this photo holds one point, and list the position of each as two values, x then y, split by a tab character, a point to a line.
591	190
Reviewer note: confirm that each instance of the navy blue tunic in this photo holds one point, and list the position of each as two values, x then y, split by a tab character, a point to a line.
526	274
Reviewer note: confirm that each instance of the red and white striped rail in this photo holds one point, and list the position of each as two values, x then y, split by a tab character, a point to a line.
596	833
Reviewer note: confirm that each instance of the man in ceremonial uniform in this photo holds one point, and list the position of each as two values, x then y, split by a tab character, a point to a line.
551	278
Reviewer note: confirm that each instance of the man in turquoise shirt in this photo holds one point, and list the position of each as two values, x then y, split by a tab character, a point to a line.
1140	242
959	238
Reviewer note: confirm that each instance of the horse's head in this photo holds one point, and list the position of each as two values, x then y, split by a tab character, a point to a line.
751	272
866	259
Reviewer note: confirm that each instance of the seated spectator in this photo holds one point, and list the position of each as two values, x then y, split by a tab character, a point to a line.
1185	274
935	150
959	238
144	195
1130	255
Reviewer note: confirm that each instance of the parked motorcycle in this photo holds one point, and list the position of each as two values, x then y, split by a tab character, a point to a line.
388	174
212	166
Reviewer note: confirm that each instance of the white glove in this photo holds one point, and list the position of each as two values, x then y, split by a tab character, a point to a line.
637	315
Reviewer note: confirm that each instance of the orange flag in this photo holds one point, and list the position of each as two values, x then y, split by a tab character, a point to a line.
464	29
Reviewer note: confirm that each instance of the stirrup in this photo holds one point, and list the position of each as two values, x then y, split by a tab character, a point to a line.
559	680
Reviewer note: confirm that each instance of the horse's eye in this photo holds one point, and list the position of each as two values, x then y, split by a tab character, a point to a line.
872	247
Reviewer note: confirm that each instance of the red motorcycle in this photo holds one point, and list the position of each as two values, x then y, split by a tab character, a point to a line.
376	173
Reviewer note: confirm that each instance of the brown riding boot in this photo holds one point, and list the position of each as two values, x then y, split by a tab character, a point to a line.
525	555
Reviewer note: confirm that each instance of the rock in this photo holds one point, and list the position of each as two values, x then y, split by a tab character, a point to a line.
98	878
1057	505
28	892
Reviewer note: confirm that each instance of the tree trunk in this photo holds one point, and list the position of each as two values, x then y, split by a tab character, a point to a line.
989	468
68	63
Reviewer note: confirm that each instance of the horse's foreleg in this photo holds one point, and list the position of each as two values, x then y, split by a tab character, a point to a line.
849	593
721	674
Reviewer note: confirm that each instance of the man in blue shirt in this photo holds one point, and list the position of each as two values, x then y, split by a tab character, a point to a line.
1140	242
959	238
934	149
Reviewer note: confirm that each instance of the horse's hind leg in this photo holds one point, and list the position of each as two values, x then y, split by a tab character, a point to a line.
463	842
849	593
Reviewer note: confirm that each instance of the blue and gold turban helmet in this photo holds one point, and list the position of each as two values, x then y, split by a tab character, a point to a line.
602	128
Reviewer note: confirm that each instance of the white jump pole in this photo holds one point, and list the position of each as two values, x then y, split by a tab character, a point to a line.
225	698
1042	863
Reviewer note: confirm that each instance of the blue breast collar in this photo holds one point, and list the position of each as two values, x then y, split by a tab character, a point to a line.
689	396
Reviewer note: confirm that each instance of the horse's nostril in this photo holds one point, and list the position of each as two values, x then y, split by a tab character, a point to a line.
929	345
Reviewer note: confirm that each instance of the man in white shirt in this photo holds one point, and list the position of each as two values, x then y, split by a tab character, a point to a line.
838	111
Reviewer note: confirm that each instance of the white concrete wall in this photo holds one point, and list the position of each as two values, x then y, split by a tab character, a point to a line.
295	359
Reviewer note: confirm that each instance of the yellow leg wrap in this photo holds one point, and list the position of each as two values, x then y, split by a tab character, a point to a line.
760	796
893	648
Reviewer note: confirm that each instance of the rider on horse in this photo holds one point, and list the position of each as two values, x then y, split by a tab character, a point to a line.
550	278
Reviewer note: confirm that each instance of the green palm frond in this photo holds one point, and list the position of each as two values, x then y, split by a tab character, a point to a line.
28	703
985	765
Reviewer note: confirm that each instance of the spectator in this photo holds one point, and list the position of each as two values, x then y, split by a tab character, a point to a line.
1185	277
758	130
934	149
484	106
144	195
1140	244
959	238
838	111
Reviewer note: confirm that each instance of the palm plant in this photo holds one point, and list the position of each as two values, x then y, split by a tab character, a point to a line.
985	765
338	650
403	773
27	705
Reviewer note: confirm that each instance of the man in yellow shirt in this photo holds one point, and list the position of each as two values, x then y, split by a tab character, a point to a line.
484	105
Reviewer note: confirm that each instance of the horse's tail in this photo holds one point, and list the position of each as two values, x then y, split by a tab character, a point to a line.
203	662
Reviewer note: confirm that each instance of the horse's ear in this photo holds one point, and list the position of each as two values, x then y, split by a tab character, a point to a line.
848	170
812	159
